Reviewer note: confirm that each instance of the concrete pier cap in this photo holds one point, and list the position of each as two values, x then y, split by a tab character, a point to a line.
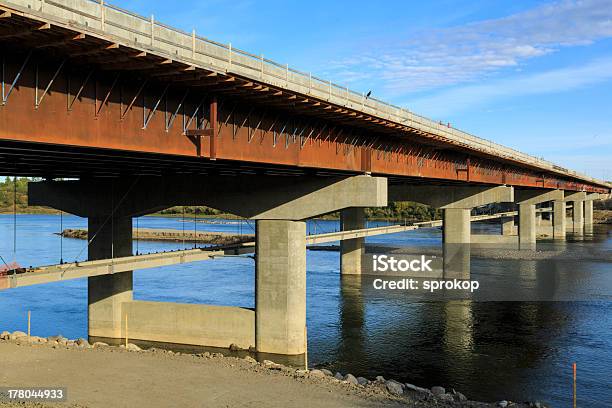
457	202
452	196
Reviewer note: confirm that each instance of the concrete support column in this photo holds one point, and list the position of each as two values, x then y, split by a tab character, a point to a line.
588	213
280	293
559	219
507	226
456	245
352	250
578	217
105	294
527	226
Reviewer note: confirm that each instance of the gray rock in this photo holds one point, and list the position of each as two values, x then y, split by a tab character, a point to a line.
362	381
234	347
394	387
70	343
99	344
437	391
133	347
537	404
459	396
82	343
250	359
327	372
36	339
272	365
502	404
339	376
17	335
446	397
316	373
417	389
351	379
5	335
380	378
56	339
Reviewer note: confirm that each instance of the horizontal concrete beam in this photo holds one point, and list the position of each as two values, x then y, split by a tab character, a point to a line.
575	196
451	196
537	196
593	196
55	273
250	196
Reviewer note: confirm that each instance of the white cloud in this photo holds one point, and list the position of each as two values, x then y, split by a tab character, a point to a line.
470	96
473	51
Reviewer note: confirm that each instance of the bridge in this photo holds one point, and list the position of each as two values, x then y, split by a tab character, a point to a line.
139	116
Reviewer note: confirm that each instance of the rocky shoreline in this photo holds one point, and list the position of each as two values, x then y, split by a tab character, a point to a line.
386	391
156	234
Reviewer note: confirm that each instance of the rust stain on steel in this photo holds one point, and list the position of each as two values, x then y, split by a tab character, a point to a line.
112	112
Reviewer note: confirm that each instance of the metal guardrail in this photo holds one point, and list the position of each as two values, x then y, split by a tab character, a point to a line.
112	22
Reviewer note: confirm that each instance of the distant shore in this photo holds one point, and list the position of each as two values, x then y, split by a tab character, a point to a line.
155	234
599	216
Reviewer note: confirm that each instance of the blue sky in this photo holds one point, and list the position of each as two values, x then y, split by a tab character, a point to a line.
533	75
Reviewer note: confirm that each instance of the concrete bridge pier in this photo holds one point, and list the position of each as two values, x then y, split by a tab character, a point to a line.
527	201
280	293
278	204
352	250
588	212
559	219
109	237
280	296
507	226
577	199
457	203
456	242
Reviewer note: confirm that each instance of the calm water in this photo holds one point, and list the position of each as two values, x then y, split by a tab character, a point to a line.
487	350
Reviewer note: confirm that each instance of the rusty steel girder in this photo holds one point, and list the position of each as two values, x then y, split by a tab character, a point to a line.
59	102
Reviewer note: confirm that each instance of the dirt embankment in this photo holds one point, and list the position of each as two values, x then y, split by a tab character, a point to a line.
154	234
107	376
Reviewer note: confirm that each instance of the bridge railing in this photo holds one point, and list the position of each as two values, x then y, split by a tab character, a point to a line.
123	26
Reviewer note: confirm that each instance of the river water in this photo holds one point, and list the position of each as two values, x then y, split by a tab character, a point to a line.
516	350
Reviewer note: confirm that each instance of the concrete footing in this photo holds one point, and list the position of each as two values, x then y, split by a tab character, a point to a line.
200	325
